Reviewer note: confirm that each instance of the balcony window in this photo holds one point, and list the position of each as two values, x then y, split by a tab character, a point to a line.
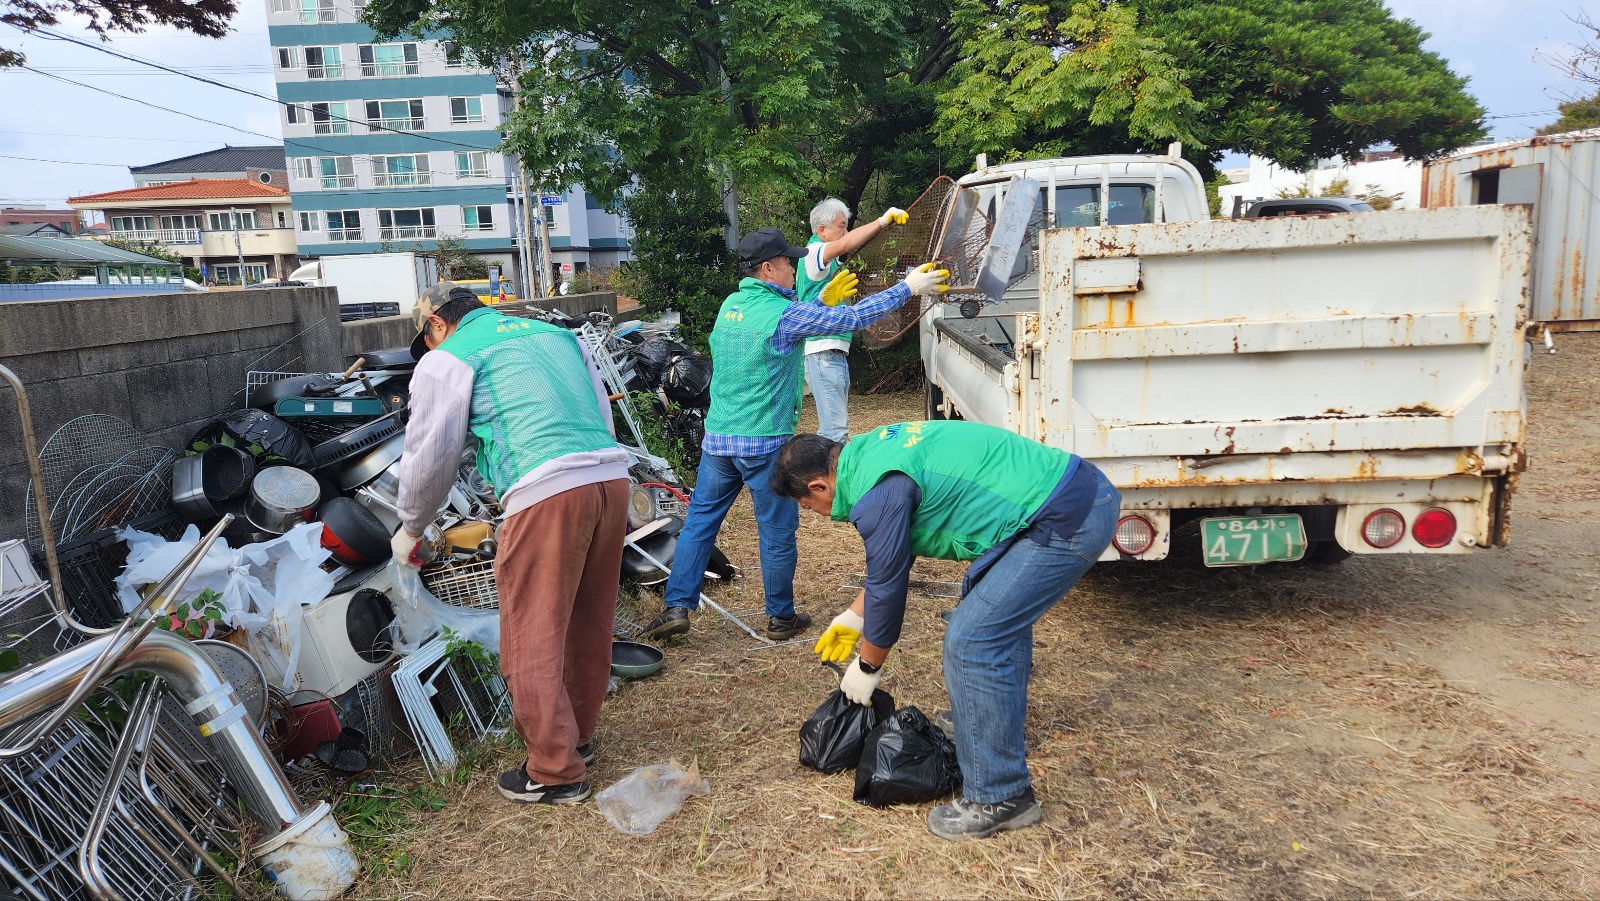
395	115
330	118
181	229
134	228
388	60
230	274
466	109
404	171
220	222
472	164
399	224
285	6
288	57
477	218
309	222
324	62
344	225
336	172
314	11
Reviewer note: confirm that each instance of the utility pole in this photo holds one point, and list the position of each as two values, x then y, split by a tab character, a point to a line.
533	282
238	243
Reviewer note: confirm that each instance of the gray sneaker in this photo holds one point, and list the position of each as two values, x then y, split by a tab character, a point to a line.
946	721
962	819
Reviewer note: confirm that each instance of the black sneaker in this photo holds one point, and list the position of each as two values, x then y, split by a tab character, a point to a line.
515	785
672	621
779	629
962	819
587	753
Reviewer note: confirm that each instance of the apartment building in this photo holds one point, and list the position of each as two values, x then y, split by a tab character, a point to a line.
392	145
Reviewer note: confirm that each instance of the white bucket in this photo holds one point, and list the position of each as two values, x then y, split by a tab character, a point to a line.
310	860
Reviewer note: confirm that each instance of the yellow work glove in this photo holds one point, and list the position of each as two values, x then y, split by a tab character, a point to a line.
927	280
840	289
892	216
839	641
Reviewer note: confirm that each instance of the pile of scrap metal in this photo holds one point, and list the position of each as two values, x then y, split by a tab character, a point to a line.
132	760
340	661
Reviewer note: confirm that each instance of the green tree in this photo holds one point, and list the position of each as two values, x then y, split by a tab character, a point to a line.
1291	80
456	262
1575	116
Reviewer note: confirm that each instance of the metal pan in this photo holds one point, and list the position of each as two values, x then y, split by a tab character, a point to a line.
189	491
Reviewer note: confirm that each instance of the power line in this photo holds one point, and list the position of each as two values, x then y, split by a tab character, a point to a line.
6	156
286	141
53	35
62	134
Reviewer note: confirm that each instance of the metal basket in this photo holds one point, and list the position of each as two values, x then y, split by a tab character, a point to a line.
464	585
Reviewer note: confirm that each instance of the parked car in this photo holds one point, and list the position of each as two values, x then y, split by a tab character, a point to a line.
1305	206
480	287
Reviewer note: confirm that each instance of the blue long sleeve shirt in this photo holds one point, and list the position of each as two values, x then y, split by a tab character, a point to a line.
799	322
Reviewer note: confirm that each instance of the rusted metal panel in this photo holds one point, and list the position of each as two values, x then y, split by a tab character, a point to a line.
1565	285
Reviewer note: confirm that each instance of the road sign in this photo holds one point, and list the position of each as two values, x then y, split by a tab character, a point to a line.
566	267
550	200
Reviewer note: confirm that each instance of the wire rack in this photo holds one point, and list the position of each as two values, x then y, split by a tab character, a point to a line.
255	379
464	585
107	803
374	707
441	692
72	459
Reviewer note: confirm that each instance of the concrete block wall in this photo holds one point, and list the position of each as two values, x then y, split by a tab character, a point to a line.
166	363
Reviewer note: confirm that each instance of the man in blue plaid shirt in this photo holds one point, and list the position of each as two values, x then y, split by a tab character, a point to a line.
758	367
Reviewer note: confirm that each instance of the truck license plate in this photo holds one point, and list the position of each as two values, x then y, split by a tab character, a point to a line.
1246	540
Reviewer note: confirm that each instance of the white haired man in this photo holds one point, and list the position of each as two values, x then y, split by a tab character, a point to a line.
828	357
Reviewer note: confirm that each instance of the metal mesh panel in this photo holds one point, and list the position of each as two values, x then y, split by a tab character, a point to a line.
464	585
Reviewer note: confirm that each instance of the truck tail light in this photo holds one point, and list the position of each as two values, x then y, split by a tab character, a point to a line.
1383	528
1134	535
1434	528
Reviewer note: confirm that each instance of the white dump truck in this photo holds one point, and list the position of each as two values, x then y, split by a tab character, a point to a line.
1300	388
372	284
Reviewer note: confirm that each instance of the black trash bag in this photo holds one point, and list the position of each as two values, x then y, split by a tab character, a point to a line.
906	760
688	428
687	380
831	740
650	359
265	437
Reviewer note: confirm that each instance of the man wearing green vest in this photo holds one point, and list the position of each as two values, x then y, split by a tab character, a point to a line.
532	402
755	404
828	357
1032	519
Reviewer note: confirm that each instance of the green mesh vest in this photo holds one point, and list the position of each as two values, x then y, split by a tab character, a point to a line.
755	391
980	484
811	292
532	400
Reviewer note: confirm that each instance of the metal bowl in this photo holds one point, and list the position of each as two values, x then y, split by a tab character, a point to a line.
633	660
281	497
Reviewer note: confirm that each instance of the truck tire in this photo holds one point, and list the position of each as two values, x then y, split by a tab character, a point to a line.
932	398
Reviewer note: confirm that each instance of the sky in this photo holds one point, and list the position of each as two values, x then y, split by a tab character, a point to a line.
88	139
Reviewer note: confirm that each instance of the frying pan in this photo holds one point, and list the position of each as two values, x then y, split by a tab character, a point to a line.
352	533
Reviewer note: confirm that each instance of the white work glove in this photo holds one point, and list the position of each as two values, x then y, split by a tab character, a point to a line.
892	216
408	549
927	280
858	686
839	640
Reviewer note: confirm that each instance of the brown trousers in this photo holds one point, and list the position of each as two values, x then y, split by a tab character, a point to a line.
556	573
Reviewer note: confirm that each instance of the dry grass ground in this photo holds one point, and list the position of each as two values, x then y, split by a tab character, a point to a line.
1392	727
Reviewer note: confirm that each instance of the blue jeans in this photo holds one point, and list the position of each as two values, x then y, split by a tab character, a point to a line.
828	375
777	519
988	648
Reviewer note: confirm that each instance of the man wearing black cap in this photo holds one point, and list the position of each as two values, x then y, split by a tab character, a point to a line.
530	399
757	351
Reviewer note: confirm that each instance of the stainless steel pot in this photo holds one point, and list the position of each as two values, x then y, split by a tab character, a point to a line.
280	498
189	490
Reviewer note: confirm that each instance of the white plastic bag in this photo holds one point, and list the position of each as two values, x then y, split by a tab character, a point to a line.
420	616
262	586
648	795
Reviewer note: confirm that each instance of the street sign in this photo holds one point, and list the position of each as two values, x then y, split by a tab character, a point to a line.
550	200
566	267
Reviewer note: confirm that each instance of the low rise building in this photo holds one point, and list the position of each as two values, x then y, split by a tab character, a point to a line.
263	164
236	231
63	221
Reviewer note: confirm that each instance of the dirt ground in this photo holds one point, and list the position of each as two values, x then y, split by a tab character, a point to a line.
1393	727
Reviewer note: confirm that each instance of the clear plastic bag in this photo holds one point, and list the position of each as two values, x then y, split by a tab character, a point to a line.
420	616
648	795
